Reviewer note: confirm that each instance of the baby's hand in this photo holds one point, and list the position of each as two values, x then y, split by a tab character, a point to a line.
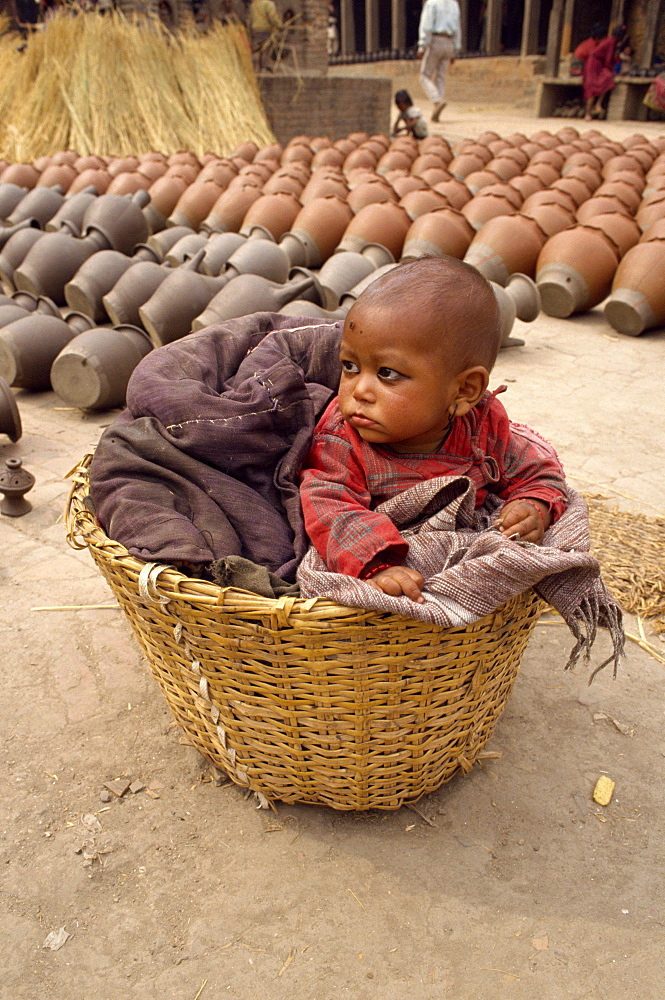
398	580
523	518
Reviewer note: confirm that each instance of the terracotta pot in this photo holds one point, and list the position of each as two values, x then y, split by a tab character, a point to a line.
443	232
479	179
435	175
28	348
591	177
327	157
248	150
228	212
485	206
341	272
153	170
317	231
195	204
646	215
620	189
575	270
573	186
418	203
599	206
129	183
164	193
656	231
186	171
551	218
299	152
51	263
69	217
167	315
620	163
320	186
99	179
580	158
394	159
119	219
94	278
526	184
249	293
506	245
470	148
455	192
637	298
61	176
40	204
185	156
345	146
405	183
272	214
461	166
385	223
122	165
549	196
504	190
13	252
10	196
369	192
622	229
24	175
217	251
93	369
185	248
258	256
426	161
348	298
544	172
271	152
221	171
504	168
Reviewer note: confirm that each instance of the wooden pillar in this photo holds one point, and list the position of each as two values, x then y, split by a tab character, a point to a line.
530	28
649	39
616	13
493	43
567	27
347	28
464	24
371	25
397	25
554	31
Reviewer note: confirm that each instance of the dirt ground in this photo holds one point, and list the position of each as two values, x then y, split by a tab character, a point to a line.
510	882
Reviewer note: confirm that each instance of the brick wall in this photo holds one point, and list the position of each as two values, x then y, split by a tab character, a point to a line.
333	106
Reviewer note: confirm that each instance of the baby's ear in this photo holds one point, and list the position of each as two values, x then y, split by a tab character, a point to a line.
471	385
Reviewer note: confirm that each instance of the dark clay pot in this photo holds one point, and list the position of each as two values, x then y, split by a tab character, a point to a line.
28	348
93	369
218	249
263	257
185	248
10	196
341	272
167	315
13	252
10	418
134	288
94	278
249	293
40	204
119	219
51	263
69	217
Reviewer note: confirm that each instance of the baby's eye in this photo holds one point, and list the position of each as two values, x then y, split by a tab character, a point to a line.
350	367
389	374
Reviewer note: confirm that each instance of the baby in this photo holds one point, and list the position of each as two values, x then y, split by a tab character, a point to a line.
417	349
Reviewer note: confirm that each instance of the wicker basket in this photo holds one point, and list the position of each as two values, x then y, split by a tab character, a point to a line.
306	700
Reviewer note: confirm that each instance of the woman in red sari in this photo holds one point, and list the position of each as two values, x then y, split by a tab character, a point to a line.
598	76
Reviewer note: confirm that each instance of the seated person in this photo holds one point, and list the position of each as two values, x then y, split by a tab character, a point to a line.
412	404
410	118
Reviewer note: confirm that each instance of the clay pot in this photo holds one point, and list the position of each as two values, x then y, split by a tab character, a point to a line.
297	152
418	203
443	232
220	171
69	217
656	231
425	161
551	218
10	418
647	214
504	167
272	214
622	229
480	149
479	179
132	289
544	172
403	184
13	252
327	157
167	315
57	176
195	204
504	189
341	272
437	144
152	170
455	192
129	183
590	176
575	270
599	206
10	196
310	310
40	204
369	192
637	298
506	245
249	293
283	183
164	195
24	175
93	369
261	171
549	196
10	311
51	263
119	219
228	212
248	150
394	159
580	158
160	244
484	207
94	278
317	231
526	184
461	166
520	299
385	223
321	186
99	179
620	163
573	186
218	249
122	165
270	152
28	348
186	171
257	256
345	146
435	175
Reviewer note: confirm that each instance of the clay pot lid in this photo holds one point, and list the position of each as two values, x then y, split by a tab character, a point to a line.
578	190
455	192
599	206
544	171
402	185
479	179
10	418
622	229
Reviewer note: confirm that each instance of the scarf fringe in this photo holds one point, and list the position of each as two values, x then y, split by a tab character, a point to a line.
596	609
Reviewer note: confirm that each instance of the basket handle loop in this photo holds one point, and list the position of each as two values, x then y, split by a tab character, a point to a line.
147	583
283	608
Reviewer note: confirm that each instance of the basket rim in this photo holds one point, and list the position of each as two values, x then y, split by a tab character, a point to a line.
84	532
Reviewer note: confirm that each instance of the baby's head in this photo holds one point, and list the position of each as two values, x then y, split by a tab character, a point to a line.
417	349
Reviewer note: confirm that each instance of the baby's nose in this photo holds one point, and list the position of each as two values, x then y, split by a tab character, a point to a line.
363	386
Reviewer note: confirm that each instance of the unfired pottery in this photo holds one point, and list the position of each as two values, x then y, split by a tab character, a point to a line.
93	369
637	299
575	270
316	231
250	293
443	232
506	245
94	278
28	348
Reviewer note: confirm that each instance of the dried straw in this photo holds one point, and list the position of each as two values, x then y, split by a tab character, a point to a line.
114	86
631	550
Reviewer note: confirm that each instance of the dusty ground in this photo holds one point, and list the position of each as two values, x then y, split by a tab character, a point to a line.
510	882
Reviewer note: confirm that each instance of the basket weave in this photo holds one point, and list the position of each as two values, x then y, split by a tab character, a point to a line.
306	700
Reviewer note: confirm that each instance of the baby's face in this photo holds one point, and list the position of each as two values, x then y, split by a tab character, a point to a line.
395	390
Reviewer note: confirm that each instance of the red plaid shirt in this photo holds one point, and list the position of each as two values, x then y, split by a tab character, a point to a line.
345	478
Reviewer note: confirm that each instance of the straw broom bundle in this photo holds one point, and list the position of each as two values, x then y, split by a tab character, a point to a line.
114	86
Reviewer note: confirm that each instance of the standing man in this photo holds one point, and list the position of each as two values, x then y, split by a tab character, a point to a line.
439	40
264	23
